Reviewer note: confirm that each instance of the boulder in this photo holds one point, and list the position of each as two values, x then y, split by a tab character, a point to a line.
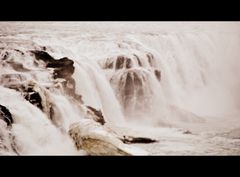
95	139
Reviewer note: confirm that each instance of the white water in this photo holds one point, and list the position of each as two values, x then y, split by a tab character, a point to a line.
198	90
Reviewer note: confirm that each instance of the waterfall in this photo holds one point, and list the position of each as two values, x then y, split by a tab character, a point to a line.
158	75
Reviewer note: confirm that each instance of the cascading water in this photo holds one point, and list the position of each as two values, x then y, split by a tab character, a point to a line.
152	76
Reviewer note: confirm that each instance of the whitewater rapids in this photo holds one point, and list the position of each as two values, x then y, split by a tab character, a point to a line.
177	82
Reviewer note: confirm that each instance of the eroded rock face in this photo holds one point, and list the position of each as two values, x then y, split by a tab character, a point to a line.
42	55
5	115
63	68
130	77
121	61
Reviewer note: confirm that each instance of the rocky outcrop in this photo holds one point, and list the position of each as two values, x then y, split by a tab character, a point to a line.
96	115
131	76
121	60
5	115
97	140
63	68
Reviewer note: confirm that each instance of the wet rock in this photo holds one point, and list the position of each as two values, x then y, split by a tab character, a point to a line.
132	140
34	98
157	74
98	115
5	56
120	62
5	115
128	63
44	56
63	68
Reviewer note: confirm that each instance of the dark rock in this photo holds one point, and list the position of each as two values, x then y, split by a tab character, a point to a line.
63	68
60	63
44	56
51	111
157	74
34	98
131	140
6	115
5	56
187	132
44	48
19	51
128	63
99	117
120	62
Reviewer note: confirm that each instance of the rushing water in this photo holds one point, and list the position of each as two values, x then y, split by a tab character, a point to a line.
159	77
